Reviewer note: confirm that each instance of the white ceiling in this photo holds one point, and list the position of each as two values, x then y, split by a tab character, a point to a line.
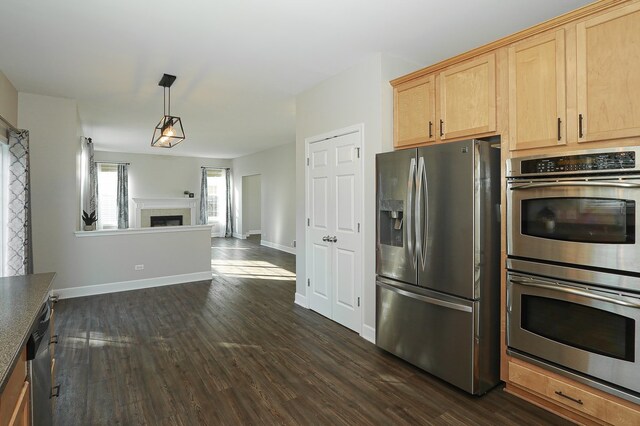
239	63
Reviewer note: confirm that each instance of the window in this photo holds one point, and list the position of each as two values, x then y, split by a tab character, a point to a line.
107	196
4	203
216	195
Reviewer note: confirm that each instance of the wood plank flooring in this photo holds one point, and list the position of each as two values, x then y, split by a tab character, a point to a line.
236	350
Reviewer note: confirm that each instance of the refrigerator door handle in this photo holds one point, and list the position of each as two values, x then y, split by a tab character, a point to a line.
418	210
427	299
422	225
410	189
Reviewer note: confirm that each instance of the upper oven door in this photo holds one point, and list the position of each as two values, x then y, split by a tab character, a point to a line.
582	222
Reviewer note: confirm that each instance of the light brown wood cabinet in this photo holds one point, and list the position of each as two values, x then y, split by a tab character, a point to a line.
468	98
14	400
465	95
608	76
414	112
572	397
537	93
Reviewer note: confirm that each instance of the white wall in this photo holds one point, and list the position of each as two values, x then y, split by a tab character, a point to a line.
54	154
8	101
162	175
358	95
251	203
276	167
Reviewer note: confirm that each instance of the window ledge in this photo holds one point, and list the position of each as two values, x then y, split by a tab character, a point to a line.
157	230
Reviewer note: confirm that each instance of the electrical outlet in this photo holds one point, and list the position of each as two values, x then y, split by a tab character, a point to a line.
138	267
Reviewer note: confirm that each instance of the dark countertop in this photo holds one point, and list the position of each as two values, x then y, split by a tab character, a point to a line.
20	301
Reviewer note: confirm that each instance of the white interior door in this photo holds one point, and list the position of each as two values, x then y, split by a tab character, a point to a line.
346	206
318	248
333	238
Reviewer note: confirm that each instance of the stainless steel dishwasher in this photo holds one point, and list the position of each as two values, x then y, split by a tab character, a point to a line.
40	369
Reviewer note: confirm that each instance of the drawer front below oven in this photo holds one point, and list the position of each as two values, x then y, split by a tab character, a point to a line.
591	332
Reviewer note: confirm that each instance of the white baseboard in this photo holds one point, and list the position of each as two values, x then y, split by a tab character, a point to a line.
254	232
90	290
239	236
368	333
290	250
301	300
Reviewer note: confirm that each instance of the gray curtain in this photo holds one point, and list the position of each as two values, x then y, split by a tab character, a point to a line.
204	195
229	230
19	246
90	180
123	196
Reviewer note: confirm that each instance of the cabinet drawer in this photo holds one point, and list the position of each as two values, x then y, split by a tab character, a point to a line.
572	397
20	416
11	393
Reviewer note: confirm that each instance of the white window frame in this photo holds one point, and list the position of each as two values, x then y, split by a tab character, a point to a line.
4	202
100	224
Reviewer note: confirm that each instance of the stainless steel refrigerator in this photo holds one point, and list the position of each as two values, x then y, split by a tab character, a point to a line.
438	251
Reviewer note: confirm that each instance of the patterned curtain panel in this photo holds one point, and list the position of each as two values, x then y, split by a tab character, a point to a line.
89	181
19	247
229	230
123	196
204	195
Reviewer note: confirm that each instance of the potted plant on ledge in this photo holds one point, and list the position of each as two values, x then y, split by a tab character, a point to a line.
89	220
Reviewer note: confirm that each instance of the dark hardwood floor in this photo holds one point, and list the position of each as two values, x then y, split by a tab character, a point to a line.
236	350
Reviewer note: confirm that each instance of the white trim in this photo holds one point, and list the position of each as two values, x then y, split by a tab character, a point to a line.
368	333
301	300
254	232
165	203
239	236
90	290
155	230
280	247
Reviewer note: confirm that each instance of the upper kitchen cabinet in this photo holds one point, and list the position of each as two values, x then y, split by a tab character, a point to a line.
468	98
414	112
537	95
608	76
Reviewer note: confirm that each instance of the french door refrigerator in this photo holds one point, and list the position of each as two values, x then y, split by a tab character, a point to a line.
438	250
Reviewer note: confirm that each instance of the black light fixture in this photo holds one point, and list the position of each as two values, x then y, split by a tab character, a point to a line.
168	132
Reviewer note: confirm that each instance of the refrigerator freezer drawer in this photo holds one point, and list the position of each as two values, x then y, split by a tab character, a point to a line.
432	331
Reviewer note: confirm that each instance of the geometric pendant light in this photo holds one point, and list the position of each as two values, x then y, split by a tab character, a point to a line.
168	132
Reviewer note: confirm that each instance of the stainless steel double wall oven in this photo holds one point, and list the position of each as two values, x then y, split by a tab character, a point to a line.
573	283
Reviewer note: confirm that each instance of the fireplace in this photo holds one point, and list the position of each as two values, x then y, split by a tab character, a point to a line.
166	220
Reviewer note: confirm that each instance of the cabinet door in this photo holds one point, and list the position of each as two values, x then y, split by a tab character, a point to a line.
414	112
468	98
537	97
608	76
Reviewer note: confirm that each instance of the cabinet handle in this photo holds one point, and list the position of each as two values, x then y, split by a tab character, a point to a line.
55	392
580	133
441	128
430	130
559	126
579	401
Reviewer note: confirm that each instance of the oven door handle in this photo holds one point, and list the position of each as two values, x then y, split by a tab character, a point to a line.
575	291
575	183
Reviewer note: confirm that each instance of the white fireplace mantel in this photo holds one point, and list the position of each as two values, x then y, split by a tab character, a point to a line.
165	203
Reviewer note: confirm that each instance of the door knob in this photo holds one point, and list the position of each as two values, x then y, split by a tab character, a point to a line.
334	239
325	238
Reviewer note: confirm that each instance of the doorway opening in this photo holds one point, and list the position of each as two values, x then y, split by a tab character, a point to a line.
252	207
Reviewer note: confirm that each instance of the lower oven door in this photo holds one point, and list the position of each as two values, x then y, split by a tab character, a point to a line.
580	222
588	331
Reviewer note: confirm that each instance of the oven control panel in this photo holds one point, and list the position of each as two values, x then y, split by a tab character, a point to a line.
586	162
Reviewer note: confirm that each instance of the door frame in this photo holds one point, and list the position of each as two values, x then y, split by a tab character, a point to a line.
357	128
